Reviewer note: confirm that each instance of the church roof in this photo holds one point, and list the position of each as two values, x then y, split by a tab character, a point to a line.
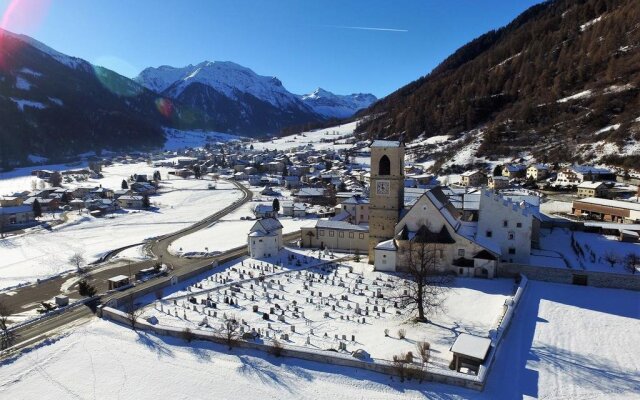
266	225
424	235
385	143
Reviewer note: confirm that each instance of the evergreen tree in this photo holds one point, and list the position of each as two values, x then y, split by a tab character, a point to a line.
497	171
37	209
276	206
124	184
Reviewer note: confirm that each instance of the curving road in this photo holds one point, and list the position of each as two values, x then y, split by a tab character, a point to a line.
30	296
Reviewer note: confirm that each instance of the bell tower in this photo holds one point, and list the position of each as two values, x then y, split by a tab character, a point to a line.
387	191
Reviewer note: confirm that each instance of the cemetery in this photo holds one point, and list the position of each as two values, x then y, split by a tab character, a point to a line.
322	302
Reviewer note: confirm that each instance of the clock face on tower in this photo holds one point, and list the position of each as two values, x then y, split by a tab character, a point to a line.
382	188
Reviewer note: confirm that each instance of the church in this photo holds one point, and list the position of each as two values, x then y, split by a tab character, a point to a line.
502	231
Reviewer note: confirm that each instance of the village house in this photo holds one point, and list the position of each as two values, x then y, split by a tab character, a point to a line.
579	173
537	172
264	211
354	210
473	178
513	171
131	201
311	195
293	209
11	201
46	204
14	216
592	189
498	182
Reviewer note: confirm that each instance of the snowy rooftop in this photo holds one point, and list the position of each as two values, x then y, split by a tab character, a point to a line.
590	185
322	223
385	143
471	346
611	203
386	245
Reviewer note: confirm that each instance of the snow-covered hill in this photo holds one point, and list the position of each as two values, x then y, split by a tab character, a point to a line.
332	105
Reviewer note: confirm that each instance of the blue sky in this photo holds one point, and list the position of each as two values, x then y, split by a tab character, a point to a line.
305	43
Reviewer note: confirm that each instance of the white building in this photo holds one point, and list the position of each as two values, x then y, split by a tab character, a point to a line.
504	232
508	224
265	238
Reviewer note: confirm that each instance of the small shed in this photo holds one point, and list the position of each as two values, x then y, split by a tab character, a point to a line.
469	351
62	301
118	282
629	236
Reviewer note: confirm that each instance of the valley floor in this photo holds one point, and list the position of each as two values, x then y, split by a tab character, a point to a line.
42	253
567	342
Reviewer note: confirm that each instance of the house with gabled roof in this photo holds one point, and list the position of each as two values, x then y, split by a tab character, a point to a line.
265	238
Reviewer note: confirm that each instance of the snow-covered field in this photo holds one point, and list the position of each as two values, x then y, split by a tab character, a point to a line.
556	250
313	138
41	253
229	232
566	342
570	342
324	305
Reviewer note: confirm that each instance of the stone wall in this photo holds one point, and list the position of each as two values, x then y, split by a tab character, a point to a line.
383	367
499	333
567	275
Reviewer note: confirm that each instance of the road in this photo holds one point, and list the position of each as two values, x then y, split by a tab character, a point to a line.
29	297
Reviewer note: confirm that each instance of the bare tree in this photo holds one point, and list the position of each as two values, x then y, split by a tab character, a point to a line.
7	336
611	258
424	351
78	260
632	262
426	287
133	312
231	330
400	365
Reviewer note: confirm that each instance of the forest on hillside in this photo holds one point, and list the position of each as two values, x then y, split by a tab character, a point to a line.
546	82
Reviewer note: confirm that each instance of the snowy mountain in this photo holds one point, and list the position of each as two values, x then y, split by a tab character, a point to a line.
332	105
233	97
56	106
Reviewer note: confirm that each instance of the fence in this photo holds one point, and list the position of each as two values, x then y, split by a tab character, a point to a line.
569	276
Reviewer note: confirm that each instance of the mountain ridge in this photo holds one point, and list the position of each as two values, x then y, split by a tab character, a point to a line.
554	82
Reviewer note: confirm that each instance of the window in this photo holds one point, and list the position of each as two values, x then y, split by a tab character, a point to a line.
511	236
341	234
384	166
519	225
331	233
489	234
350	235
321	233
505	223
361	236
512	250
460	252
